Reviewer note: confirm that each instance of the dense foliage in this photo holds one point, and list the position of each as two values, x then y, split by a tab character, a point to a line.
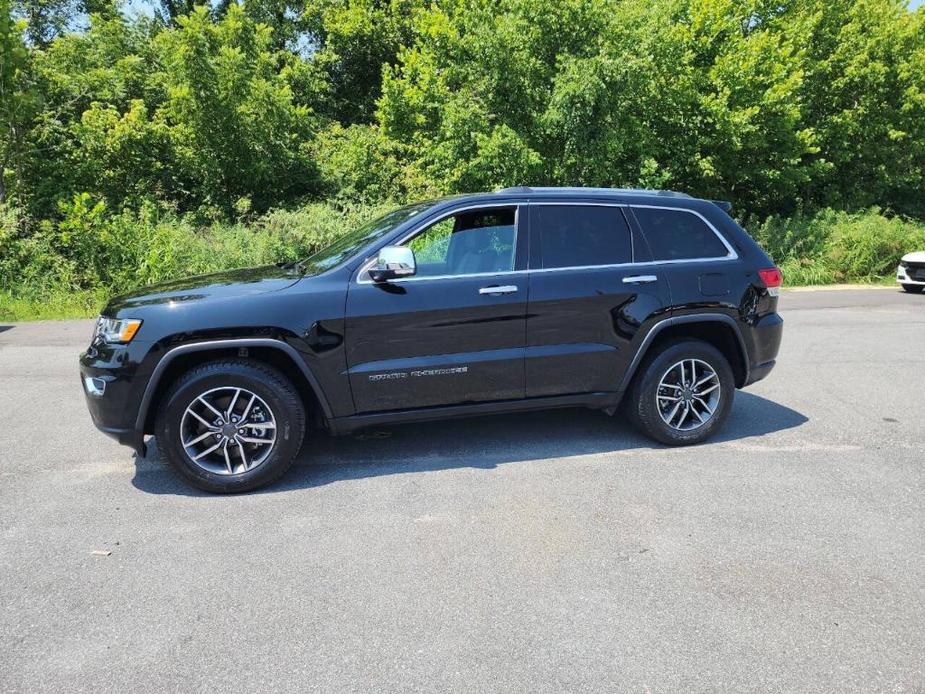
133	144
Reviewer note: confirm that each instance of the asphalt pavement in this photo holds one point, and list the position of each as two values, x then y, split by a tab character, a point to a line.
553	552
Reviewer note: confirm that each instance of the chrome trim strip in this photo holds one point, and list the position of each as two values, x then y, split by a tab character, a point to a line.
646	263
402	280
505	289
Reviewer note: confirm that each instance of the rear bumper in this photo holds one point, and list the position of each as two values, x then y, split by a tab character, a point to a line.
766	335
756	373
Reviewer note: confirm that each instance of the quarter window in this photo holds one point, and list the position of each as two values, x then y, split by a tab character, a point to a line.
581	235
470	242
678	235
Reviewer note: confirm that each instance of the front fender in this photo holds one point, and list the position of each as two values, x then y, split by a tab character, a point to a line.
224	344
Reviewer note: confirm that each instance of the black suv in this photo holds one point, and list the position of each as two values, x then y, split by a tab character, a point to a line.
527	298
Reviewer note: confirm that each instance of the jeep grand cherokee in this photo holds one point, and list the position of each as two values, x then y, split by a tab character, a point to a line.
653	303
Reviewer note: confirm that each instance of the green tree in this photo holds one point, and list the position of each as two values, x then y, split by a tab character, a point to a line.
862	90
18	99
235	127
200	116
352	40
106	68
695	94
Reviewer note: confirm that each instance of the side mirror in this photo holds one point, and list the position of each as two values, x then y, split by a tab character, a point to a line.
393	262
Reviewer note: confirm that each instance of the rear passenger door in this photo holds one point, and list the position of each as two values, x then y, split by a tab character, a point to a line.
588	301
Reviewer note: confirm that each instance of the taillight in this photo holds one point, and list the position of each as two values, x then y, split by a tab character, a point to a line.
772	279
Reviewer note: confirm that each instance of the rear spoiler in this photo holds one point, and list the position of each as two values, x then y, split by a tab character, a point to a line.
724	205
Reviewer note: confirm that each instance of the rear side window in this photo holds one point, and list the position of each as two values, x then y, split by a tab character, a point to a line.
581	235
678	235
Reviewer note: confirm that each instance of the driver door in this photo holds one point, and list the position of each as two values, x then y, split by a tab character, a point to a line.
454	332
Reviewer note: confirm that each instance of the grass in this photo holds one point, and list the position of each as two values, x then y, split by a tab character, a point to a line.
54	306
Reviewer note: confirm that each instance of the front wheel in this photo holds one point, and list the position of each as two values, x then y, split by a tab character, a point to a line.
682	394
231	426
913	288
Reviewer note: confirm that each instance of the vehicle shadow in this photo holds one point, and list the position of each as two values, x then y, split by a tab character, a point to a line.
479	442
4	328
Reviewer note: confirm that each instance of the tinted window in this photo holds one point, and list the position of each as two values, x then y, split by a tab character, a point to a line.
467	243
678	235
581	235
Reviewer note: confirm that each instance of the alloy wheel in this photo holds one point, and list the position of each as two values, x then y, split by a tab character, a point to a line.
688	394
228	430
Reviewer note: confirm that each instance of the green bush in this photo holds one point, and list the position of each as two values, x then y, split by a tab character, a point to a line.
831	247
68	268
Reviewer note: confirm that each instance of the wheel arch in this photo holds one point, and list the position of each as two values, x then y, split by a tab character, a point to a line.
702	326
277	353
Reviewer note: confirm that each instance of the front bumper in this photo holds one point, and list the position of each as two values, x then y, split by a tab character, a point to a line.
106	378
902	277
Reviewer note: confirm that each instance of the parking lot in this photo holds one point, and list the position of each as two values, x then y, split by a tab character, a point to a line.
557	551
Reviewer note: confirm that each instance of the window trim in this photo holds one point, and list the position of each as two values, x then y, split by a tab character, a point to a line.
732	255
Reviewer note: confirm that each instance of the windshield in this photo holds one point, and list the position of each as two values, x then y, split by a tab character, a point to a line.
349	244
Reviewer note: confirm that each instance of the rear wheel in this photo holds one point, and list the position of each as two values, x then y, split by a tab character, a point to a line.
682	394
913	288
231	426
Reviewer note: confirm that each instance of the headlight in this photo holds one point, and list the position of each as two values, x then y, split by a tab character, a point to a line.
114	330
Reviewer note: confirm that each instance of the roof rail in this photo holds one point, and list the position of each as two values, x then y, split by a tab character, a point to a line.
579	189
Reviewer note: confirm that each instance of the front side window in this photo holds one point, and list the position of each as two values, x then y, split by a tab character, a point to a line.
581	235
678	235
467	243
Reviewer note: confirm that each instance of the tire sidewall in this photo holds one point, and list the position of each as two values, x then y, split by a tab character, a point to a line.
287	413
644	405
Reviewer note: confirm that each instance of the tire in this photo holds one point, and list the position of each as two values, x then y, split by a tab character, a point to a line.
913	288
244	459
642	406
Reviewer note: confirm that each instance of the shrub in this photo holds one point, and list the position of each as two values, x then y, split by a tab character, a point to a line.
834	246
94	255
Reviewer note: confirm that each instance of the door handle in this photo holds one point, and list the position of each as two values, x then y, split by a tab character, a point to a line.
640	279
497	290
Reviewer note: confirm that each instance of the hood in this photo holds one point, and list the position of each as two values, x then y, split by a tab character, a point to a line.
916	257
218	285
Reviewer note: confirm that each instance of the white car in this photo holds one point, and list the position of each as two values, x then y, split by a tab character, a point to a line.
911	272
